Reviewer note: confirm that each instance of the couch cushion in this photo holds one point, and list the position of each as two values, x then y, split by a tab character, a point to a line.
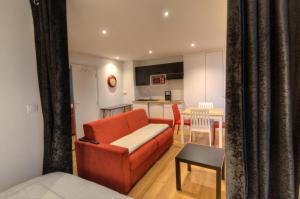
107	130
164	137
139	137
142	154
137	119
139	168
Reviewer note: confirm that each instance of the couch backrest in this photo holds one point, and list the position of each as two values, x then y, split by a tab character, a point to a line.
136	119
110	129
107	130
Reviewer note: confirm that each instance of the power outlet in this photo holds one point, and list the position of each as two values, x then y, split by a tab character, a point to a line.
32	108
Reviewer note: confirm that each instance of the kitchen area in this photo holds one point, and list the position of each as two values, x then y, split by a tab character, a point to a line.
103	87
159	86
183	80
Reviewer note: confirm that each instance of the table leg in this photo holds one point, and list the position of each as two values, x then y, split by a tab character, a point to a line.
189	167
223	170
178	175
218	181
220	132
182	129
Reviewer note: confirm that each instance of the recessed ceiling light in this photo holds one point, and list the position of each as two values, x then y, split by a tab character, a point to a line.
166	14
117	58
150	51
104	32
193	45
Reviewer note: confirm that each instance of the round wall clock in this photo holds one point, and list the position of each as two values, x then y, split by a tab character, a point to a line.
112	81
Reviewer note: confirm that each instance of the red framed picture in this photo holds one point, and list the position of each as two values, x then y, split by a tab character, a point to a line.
112	81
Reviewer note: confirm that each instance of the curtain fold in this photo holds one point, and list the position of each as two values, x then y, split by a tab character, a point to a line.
50	28
262	98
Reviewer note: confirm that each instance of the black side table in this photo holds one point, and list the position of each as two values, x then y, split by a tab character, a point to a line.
203	156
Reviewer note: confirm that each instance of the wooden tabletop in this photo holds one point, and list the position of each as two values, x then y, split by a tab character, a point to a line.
212	112
159	101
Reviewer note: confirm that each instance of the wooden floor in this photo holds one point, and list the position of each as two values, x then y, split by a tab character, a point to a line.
159	182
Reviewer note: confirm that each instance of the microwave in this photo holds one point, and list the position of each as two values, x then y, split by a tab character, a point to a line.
158	79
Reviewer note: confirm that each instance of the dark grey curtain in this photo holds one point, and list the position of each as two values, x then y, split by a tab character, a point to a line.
263	98
50	28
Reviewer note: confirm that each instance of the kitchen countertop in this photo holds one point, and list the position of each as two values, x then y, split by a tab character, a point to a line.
159	101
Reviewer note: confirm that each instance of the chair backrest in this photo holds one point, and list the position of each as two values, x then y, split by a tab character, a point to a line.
205	105
176	112
200	120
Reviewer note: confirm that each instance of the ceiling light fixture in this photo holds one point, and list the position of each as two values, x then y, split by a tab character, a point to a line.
193	45
117	58
150	52
166	14
104	32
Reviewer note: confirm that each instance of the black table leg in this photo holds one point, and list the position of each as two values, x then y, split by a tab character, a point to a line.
189	167
218	181
223	171
178	175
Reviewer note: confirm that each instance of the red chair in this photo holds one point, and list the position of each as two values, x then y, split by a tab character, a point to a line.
177	121
216	126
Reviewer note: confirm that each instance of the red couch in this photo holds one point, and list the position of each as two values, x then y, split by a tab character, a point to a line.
111	165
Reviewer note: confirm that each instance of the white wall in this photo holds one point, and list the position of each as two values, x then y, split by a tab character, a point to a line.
128	82
21	134
110	96
105	67
204	78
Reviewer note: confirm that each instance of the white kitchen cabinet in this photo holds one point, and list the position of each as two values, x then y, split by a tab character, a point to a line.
215	79
204	78
156	110
168	112
141	105
194	79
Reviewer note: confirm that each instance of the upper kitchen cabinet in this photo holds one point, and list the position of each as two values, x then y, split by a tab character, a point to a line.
172	71
142	77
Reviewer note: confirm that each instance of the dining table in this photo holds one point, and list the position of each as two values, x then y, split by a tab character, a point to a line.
215	114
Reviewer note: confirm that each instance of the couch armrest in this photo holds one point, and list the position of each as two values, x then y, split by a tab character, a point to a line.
161	121
105	164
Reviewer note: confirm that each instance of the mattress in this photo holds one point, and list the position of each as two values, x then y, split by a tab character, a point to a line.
60	186
139	137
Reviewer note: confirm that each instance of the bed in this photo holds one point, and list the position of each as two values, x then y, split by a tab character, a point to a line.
60	186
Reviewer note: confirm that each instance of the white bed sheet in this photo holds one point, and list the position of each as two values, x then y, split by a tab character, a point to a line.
60	186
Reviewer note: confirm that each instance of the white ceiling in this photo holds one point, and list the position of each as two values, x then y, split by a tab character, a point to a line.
136	26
